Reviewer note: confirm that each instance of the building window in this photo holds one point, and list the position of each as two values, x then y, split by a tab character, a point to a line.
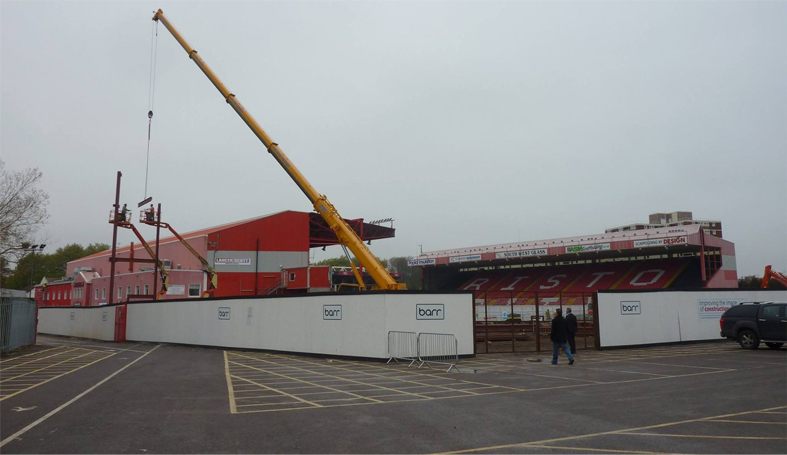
128	291
194	290
136	289
96	293
146	289
103	293
120	292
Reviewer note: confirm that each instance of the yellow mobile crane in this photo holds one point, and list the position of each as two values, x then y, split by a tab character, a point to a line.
345	234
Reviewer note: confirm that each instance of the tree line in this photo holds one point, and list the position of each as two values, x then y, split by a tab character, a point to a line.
34	266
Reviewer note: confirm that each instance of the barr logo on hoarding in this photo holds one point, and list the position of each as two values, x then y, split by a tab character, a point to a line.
630	308
430	311
332	312
224	313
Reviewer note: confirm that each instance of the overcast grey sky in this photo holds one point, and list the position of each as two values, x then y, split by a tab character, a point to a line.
470	123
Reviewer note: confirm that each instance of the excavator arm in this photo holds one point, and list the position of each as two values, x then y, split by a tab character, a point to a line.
771	274
322	205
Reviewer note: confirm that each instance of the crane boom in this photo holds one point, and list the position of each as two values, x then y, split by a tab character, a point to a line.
321	204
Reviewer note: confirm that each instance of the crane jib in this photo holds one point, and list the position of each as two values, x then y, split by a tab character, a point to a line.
344	233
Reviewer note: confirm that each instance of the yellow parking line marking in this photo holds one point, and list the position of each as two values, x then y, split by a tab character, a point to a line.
625	371
230	390
38	359
7	379
588	449
274	390
499	448
681	366
772	412
11	360
275	410
417	382
705	436
69	402
306	382
761	422
55	377
268	404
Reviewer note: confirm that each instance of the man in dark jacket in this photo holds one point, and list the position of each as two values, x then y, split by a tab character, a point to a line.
559	337
571	328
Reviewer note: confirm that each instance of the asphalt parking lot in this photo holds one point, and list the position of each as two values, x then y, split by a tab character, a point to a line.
79	396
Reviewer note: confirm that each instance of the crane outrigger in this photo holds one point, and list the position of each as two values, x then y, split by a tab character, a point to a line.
344	233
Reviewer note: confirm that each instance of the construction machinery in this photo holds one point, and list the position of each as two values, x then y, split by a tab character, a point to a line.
344	233
121	218
771	274
150	217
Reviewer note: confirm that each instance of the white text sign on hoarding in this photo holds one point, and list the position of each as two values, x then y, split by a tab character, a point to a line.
630	308
586	248
430	311
522	253
661	242
415	262
714	308
332	312
232	261
465	258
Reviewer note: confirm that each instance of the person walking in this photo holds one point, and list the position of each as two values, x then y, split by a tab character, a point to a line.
559	337
571	328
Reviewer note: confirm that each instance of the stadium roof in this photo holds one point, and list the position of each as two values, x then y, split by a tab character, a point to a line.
586	246
320	233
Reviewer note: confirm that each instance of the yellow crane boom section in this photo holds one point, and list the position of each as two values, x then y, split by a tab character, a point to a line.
343	231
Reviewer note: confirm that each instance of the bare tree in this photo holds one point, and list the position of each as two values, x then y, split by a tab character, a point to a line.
22	210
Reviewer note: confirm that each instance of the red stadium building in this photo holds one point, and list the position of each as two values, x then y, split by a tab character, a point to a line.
259	256
522	283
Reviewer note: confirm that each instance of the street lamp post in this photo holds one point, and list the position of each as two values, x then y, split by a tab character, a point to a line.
33	249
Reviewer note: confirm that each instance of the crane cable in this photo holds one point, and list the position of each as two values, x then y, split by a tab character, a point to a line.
151	92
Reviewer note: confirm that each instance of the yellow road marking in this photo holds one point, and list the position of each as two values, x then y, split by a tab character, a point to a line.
69	402
588	449
420	382
278	391
409	373
705	436
11	360
611	432
38	359
230	390
54	377
762	422
624	371
307	382
45	367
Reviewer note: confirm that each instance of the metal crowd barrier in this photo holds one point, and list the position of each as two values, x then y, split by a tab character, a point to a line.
423	348
438	348
402	346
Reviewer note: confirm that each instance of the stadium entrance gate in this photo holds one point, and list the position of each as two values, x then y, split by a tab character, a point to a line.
521	321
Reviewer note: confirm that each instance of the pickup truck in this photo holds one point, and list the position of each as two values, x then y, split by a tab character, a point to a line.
751	323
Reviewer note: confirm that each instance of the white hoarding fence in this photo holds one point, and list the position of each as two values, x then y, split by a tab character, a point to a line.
640	318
